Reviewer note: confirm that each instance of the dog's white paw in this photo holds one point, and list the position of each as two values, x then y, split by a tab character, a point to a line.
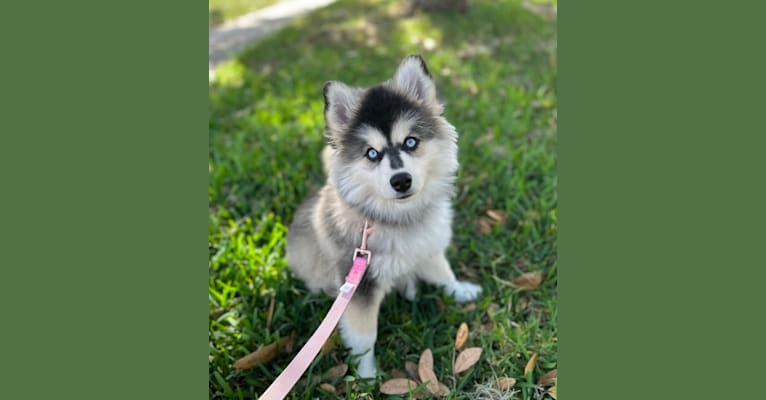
366	368
463	291
410	290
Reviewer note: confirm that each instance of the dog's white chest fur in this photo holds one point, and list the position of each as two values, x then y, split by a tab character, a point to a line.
398	251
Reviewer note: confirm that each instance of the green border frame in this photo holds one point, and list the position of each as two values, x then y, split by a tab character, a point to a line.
104	217
661	199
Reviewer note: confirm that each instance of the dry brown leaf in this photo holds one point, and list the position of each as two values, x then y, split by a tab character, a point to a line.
528	281
261	356
426	360
412	369
426	371
395	373
552	392
485	225
486	137
497	215
547	379
462	336
505	383
336	372
466	359
530	364
266	353
327	388
397	386
443	390
468	307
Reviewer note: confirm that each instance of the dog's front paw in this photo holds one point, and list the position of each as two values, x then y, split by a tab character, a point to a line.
463	291
366	368
410	290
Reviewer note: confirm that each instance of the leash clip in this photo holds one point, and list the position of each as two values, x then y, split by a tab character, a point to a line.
363	253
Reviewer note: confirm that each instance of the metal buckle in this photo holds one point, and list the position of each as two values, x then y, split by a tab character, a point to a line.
363	253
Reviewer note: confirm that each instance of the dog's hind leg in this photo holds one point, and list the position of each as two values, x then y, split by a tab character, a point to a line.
437	271
359	329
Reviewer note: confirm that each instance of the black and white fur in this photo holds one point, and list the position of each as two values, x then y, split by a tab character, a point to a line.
411	225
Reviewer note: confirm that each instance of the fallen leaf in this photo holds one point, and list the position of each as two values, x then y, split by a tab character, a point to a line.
443	390
266	353
397	386
468	307
327	388
395	373
263	356
485	225
552	392
412	369
426	371
336	372
462	335
497	216
426	360
528	281
505	383
530	364
466	359
486	137
547	379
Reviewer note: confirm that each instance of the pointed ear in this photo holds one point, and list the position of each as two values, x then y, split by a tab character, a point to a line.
413	78
340	102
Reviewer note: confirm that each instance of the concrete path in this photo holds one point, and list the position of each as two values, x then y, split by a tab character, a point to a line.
227	40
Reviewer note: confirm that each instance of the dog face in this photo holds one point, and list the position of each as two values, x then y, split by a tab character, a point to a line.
392	150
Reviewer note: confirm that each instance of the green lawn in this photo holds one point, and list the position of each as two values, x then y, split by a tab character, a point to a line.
495	68
222	10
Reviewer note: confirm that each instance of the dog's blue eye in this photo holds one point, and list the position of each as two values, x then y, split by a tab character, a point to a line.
410	143
372	154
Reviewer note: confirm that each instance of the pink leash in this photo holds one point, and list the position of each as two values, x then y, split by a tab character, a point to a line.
290	375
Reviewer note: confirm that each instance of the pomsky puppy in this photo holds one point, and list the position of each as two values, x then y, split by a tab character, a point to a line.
391	159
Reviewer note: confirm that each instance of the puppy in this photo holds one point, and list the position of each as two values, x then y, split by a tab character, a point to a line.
391	159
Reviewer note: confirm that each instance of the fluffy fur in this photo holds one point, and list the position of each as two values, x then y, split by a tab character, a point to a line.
411	223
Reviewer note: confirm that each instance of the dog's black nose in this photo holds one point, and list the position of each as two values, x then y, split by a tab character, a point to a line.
401	182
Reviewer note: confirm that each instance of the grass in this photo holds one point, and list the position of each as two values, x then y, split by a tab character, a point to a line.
495	68
220	11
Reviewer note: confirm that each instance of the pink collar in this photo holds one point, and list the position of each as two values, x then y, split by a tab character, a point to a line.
290	375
